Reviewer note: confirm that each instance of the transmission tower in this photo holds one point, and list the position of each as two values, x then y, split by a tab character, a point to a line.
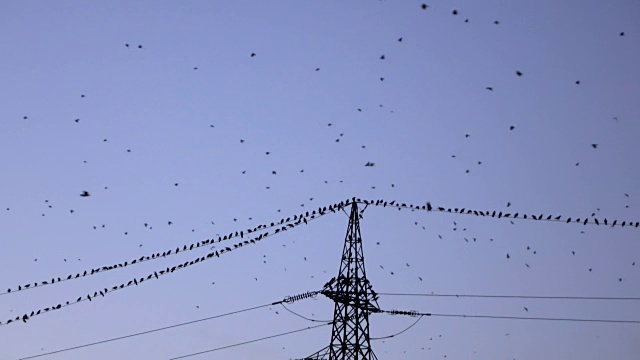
354	301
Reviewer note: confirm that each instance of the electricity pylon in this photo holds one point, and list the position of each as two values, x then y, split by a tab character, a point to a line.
354	301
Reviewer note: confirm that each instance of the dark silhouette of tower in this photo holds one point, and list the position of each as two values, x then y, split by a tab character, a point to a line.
354	301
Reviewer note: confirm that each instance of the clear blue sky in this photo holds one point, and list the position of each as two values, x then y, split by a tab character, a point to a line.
192	107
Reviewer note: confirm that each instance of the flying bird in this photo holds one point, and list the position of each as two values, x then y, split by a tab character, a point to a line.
85	193
518	72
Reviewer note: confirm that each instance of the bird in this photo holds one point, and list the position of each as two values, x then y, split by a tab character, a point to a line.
511	127
489	88
454	12
508	256
622	33
518	72
85	193
424	6
400	39
369	163
253	54
497	22
382	57
577	82
595	146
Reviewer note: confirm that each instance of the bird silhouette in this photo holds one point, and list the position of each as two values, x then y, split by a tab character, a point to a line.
85	193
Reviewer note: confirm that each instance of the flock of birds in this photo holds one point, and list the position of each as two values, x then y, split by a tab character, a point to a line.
253	235
280	226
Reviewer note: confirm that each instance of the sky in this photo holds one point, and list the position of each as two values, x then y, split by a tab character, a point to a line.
159	111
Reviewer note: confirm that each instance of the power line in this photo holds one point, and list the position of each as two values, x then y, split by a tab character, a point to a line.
156	274
301	316
251	341
295	220
396	334
325	210
513	296
148	331
499	214
415	313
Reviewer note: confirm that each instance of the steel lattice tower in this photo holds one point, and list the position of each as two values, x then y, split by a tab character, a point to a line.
354	300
